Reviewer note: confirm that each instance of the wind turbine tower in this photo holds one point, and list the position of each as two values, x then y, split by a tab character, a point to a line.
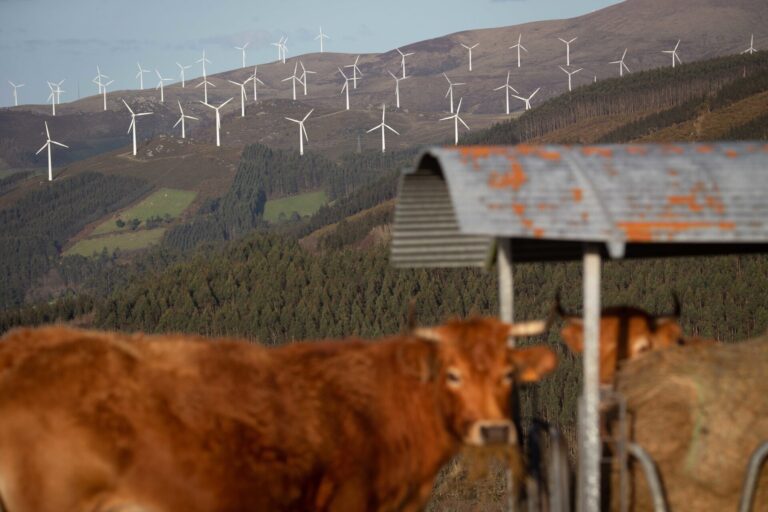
451	85
293	78
751	48
181	120
321	36
203	61
456	121
302	131
218	119
242	49
674	54
55	93
97	79
304	73
15	93
140	76
355	71
402	59
243	95
469	49
519	47
397	87
345	87
103	90
132	126
279	45
528	99
507	88
621	64
181	74
47	144
160	85
284	48
568	50
570	74
384	126
255	80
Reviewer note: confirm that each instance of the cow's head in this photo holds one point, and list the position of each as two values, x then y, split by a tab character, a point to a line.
628	330
476	371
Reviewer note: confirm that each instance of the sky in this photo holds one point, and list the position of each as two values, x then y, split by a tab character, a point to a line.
51	40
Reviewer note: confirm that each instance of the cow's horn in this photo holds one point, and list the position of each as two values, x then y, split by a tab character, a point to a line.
531	328
670	317
428	333
557	310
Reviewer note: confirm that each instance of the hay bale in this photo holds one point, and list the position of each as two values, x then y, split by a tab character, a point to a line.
700	412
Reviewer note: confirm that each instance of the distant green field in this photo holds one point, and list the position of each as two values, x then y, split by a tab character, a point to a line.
166	201
129	241
304	204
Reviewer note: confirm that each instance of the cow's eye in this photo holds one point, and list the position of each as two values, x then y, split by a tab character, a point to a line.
453	376
509	377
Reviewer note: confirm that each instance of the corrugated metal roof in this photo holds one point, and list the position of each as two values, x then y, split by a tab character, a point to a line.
457	199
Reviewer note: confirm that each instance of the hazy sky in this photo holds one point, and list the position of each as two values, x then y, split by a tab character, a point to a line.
44	40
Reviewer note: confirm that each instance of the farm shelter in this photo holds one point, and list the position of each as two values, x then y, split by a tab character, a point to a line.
471	206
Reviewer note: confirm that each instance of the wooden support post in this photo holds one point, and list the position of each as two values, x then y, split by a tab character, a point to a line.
506	284
590	449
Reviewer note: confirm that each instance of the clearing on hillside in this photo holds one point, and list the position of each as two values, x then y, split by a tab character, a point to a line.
304	204
161	203
130	241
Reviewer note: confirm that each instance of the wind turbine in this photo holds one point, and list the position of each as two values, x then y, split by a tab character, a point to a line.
181	73
218	119
55	92
279	45
181	120
160	85
570	74
98	77
384	126
450	89
242	49
103	89
568	50
203	60
302	131
519	47
15	94
321	36
751	48
304	73
397	87
469	48
506	88
255	79
243	96
402	59
528	99
355	71
284	48
132	126
205	83
674	54
47	144
621	64
140	75
293	78
456	121
58	90
345	87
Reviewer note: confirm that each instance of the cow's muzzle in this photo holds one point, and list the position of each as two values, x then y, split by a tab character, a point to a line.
487	432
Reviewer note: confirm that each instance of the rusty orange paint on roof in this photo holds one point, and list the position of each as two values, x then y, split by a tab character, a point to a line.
650	230
514	178
584	216
636	150
545	206
538	233
528	223
687	200
577	194
731	153
715	204
597	151
671	149
518	208
704	149
672	172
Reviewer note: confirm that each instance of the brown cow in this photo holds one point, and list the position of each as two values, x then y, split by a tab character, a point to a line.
95	421
625	333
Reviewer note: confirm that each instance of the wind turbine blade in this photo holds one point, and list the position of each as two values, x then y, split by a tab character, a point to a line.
374	128
294	120
207	105
390	74
459	106
47	133
192	117
446	118
523	48
304	131
177	122
499	88
230	99
564	71
42	148
391	129
462	122
126	106
59	144
308	114
130	126
577	71
534	93
144	114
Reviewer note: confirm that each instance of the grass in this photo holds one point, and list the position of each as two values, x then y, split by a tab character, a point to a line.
165	201
131	241
303	204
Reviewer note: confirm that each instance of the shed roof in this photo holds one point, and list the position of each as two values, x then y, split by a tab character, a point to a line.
638	200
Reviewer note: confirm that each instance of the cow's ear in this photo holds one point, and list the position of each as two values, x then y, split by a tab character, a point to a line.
532	363
531	328
430	334
418	359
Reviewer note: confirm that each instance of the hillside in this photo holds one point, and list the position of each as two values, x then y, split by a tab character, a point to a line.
644	26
